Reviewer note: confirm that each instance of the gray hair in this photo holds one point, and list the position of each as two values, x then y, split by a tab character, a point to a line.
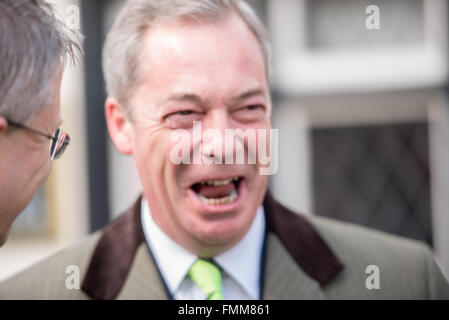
34	45
122	50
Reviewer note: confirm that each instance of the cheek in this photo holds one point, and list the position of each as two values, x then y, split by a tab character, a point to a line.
46	171
258	146
32	177
152	155
46	161
148	146
40	167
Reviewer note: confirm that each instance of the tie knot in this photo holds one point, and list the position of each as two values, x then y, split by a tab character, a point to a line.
207	275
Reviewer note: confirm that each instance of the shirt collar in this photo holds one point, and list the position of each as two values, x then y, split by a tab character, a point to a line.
241	262
173	260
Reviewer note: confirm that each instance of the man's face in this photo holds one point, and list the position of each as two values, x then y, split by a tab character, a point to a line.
25	162
215	74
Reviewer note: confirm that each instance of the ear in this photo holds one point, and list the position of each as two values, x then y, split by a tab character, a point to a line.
3	125
119	127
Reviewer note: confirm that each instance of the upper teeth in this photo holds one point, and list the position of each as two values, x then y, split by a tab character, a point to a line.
219	182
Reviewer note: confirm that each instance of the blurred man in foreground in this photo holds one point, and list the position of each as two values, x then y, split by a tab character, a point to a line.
181	76
33	51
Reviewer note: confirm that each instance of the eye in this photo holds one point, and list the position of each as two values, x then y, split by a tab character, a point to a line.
253	107
179	113
184	112
250	113
183	118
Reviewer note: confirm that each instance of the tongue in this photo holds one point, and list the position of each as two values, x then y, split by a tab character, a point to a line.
214	191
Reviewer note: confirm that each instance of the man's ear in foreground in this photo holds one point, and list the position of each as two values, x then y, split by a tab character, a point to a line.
119	126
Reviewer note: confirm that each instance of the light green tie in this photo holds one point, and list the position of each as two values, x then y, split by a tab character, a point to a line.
207	275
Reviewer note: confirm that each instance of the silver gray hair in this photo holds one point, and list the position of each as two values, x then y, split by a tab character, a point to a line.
34	45
122	51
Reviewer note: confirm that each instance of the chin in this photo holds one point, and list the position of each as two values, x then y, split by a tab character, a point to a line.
224	233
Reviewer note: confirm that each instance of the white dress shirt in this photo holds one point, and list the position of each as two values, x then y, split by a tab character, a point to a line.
240	264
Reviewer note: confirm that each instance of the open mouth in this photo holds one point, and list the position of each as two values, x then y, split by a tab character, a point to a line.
218	192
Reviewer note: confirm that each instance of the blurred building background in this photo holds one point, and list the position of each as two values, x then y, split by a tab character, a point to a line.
363	119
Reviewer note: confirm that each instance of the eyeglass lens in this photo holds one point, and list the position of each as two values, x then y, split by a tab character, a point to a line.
59	144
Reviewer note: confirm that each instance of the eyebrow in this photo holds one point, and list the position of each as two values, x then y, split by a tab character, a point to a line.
194	98
188	97
248	94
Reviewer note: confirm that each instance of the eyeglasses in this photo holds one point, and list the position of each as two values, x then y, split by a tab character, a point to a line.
59	141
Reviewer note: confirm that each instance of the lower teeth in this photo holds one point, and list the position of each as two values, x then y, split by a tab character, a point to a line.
218	201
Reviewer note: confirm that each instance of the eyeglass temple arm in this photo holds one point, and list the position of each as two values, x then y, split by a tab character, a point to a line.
19	125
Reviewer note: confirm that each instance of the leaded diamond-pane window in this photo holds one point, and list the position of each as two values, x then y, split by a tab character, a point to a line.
377	176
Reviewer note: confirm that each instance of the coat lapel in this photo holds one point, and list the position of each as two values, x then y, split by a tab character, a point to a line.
143	281
298	262
121	265
284	279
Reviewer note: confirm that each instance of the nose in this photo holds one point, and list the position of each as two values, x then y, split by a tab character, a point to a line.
218	144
